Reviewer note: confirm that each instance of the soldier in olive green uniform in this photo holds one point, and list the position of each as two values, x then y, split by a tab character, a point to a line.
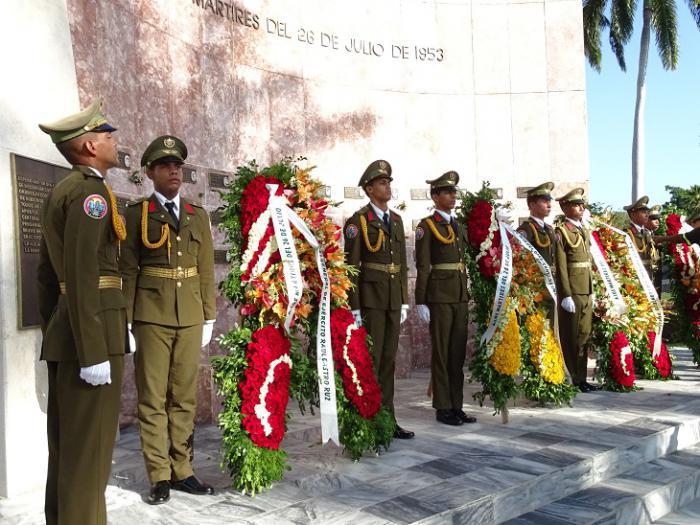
652	225
168	268
538	233
574	288
83	320
441	284
376	244
641	237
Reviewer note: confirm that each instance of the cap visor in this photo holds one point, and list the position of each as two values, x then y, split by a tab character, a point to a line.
104	128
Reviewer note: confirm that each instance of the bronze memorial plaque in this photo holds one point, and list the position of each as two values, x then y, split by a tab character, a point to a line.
32	181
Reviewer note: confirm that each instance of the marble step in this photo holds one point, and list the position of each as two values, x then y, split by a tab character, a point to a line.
519	485
688	514
648	493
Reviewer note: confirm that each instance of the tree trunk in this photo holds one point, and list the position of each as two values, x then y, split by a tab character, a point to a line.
638	139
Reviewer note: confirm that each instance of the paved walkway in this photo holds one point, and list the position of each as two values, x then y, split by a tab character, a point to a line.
443	468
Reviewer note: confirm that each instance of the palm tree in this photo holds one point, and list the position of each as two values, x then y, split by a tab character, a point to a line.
659	16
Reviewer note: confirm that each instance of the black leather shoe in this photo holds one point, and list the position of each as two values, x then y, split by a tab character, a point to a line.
400	433
583	387
445	415
464	418
592	388
160	493
193	486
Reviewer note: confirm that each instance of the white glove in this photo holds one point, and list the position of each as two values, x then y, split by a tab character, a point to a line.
503	214
423	312
567	303
404	313
358	317
593	301
96	375
132	340
207	330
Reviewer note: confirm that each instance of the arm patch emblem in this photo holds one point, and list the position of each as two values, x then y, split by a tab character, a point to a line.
351	231
419	233
95	206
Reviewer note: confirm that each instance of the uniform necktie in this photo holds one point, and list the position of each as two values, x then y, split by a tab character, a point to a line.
171	210
386	221
453	223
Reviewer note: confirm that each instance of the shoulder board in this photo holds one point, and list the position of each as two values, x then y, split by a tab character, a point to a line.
136	202
395	216
87	171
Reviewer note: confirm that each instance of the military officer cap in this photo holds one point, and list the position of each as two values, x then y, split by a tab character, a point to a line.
90	119
446	180
575	196
543	190
641	204
376	170
164	149
655	212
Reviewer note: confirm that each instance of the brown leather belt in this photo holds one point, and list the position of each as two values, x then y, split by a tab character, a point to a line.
388	268
106	281
177	274
449	266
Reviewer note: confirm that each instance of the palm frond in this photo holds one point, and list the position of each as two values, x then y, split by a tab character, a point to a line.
594	21
694	6
622	12
665	26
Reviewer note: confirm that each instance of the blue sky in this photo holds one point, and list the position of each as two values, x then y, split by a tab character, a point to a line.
672	118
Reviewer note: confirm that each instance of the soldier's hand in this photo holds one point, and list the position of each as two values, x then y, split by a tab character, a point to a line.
96	375
132	339
567	303
404	313
207	331
358	317
423	313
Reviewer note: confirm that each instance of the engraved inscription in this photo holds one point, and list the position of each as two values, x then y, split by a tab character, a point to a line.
31	194
353	192
220	257
420	194
218	180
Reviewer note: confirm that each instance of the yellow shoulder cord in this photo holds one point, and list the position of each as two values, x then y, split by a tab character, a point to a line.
380	239
535	233
117	221
164	231
644	242
450	239
572	245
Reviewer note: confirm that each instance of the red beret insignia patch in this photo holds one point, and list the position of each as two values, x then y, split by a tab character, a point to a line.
351	231
95	206
419	233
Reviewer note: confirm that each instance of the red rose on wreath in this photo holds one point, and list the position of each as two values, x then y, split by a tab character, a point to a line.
663	361
479	222
622	362
265	387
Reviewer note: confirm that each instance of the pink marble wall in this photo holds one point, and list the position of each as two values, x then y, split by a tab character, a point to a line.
162	70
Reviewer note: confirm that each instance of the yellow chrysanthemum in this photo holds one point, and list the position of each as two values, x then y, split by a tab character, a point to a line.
506	356
544	349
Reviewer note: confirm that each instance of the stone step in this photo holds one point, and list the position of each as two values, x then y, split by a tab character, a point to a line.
647	493
688	514
523	485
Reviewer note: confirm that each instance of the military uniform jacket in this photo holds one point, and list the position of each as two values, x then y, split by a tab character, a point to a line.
544	239
439	285
79	246
644	243
573	260
375	288
159	300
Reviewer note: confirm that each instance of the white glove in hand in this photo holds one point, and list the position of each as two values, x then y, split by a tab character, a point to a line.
99	374
567	303
503	214
358	317
132	340
423	312
404	313
207	330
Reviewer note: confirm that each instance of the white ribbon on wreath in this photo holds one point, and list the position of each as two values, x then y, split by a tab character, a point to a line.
281	215
505	275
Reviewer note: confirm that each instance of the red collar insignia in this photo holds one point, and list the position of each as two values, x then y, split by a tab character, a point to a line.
189	209
570	226
370	215
438	217
152	206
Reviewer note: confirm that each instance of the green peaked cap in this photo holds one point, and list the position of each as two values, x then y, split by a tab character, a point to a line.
543	190
376	169
641	204
446	180
165	148
575	196
72	126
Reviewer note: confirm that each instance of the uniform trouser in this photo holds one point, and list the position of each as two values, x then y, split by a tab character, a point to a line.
167	365
383	326
82	422
448	334
574	331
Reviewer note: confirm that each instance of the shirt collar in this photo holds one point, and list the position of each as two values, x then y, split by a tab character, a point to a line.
96	172
379	213
445	216
539	222
175	200
639	228
575	223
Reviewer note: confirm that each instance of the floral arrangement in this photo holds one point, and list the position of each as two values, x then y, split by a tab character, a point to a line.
685	289
505	345
621	361
662	362
264	365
